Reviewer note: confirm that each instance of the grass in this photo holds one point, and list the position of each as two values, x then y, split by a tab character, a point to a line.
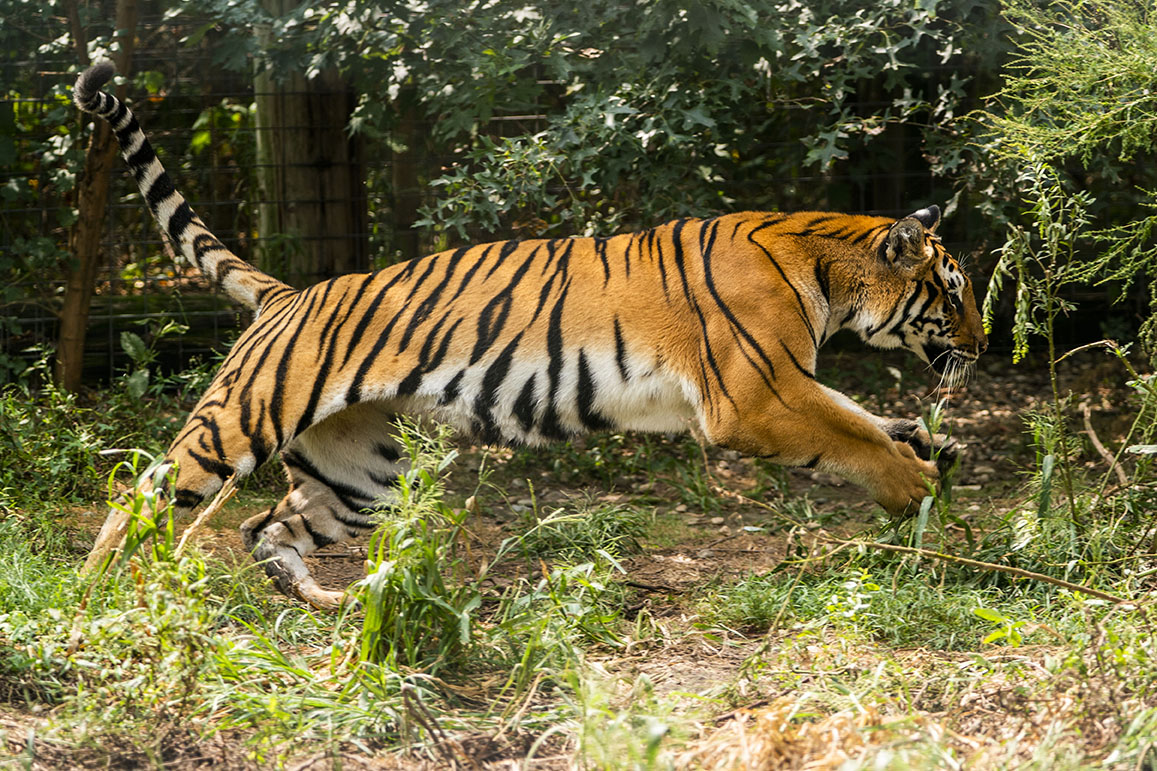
624	630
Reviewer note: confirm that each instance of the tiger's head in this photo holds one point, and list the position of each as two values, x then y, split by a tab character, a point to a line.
921	300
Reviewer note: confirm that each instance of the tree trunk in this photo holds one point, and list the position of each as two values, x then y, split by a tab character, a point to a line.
91	200
311	188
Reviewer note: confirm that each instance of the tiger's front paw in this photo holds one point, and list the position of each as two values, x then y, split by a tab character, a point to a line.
946	449
903	487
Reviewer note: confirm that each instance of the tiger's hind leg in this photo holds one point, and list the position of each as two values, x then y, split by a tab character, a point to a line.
209	449
338	469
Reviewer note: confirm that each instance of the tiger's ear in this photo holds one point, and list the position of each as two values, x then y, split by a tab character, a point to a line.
905	249
929	217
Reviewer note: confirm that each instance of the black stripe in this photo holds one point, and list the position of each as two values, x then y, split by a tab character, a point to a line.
490	323
904	314
450	392
732	320
159	191
368	316
601	251
484	403
802	309
550	426
140	161
263	523
473	269
118	115
351	497
187	499
492	320
211	465
621	352
321	376
677	241
282	380
590	417
524	405
180	220
426	361
321	539
427	305
355	390
658	248
795	361
822	271
867	234
508	248
387	452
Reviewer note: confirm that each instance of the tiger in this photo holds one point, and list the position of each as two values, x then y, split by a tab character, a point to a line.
710	325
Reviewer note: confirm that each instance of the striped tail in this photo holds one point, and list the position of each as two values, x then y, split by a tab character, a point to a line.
240	280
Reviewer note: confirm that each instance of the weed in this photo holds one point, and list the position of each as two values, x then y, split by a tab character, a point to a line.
414	617
632	731
583	533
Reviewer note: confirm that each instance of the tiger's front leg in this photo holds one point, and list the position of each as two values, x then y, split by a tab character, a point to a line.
826	430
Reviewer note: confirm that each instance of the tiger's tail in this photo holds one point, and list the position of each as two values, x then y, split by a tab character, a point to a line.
240	280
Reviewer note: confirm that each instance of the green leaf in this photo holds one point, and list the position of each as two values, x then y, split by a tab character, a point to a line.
135	347
989	615
138	383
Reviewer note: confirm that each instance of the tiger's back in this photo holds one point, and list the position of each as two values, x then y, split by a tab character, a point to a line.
712	325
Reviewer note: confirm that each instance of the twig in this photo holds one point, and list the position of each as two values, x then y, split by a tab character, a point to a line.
1100	448
223	495
653	587
733	713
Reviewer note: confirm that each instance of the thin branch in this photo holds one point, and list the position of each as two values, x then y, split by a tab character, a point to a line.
1100	448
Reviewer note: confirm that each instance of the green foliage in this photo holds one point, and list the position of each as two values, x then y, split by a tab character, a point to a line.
647	111
589	531
58	445
1007	630
414	617
632	732
619	149
1081	80
1043	260
1079	89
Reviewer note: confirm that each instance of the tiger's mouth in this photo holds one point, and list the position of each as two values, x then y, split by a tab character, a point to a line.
952	364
